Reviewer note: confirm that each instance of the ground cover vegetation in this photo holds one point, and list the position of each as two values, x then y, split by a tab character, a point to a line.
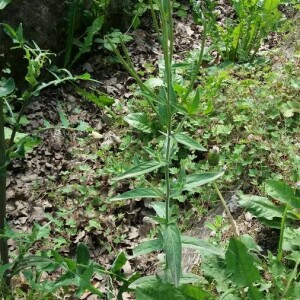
113	182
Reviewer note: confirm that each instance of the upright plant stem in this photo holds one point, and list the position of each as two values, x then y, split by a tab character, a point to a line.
3	240
155	23
167	29
279	254
231	220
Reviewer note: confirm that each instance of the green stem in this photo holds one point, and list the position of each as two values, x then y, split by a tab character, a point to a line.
292	276
167	29
282	226
3	240
17	123
155	23
129	67
229	215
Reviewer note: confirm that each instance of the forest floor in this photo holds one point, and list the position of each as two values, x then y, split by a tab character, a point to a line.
66	180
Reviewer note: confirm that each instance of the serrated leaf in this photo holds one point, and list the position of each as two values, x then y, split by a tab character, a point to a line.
188	141
147	247
240	264
200	245
139	121
7	86
172	248
195	180
100	100
141	169
63	118
267	212
282	192
137	193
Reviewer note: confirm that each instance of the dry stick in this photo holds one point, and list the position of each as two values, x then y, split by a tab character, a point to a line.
229	215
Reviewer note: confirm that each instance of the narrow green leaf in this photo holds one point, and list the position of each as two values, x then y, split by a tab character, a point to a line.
240	264
147	247
82	257
3	269
188	141
200	245
73	11
100	100
63	118
3	3
82	254
137	193
282	192
88	40
172	247
141	169
194	105
84	280
195	180
119	262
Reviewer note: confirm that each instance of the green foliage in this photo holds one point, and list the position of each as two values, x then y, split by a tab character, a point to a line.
95	17
240	39
4	3
241	267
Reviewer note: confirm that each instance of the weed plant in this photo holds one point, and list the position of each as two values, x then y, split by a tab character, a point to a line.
240	39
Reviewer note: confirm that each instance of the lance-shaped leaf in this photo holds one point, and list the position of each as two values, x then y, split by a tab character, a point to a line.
119	262
147	247
195	180
141	169
282	192
200	245
172	247
188	141
3	3
137	193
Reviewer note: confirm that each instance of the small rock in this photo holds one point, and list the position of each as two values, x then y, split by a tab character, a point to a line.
248	216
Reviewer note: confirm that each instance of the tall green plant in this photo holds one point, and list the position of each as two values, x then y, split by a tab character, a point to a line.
167	105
